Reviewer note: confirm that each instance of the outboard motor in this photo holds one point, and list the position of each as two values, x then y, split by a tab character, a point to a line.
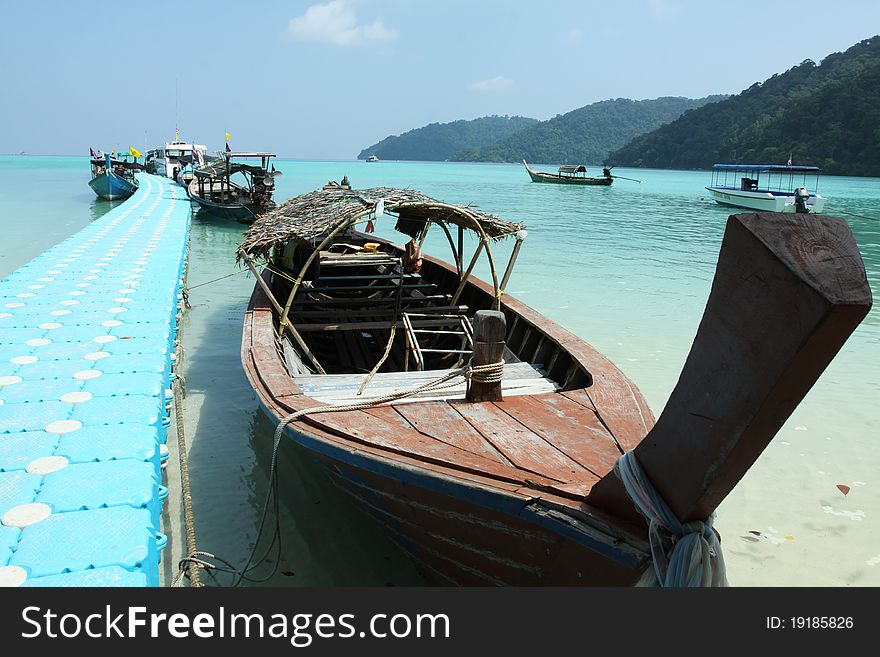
800	200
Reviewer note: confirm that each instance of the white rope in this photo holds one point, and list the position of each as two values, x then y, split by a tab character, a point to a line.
385	355
684	554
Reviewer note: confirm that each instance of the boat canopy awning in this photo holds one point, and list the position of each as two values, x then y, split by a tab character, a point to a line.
219	169
775	168
249	154
114	162
572	168
313	214
209	160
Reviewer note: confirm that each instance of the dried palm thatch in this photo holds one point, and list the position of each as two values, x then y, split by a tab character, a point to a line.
314	214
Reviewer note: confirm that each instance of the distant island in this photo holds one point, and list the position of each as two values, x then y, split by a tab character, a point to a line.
584	135
438	142
826	115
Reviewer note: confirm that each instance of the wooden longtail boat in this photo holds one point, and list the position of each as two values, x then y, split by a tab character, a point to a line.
514	482
570	174
214	190
113	177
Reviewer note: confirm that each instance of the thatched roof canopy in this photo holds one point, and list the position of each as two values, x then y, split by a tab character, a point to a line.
314	214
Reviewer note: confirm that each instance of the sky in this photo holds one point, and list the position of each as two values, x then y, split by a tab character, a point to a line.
321	80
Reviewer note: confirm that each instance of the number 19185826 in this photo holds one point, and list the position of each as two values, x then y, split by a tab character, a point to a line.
810	623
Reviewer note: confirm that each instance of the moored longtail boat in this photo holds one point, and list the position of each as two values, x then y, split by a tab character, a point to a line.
113	176
230	187
487	439
570	174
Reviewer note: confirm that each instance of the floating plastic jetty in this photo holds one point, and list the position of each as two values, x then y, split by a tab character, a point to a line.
87	341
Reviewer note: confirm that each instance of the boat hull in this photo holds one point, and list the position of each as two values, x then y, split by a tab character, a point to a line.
762	201
466	536
111	187
245	213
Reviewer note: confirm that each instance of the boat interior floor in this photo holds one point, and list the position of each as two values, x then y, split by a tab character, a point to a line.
537	428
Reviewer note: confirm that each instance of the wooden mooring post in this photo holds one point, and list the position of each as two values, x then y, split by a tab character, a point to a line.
490	329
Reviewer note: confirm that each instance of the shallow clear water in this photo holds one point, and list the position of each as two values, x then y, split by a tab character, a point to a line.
628	268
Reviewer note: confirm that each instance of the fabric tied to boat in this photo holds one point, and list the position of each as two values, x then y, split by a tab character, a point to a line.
684	554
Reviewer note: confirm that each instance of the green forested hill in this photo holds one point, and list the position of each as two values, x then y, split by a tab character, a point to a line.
826	115
440	141
585	135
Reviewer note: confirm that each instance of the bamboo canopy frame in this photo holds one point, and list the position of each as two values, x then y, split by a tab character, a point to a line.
311	215
329	212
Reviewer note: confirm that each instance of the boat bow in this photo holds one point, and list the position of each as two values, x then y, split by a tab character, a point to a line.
789	290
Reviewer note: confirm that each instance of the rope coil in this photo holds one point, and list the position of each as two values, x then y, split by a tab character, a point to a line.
684	554
491	373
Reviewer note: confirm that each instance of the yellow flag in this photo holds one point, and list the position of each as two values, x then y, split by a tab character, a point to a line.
134	151
227	136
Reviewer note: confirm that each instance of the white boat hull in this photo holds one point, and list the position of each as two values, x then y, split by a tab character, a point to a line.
763	201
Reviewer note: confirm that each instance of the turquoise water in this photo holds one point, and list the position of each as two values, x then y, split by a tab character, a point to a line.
628	268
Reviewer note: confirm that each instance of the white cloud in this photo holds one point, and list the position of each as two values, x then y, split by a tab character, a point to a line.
336	22
492	84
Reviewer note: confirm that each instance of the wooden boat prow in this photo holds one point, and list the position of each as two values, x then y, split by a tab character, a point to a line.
522	491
